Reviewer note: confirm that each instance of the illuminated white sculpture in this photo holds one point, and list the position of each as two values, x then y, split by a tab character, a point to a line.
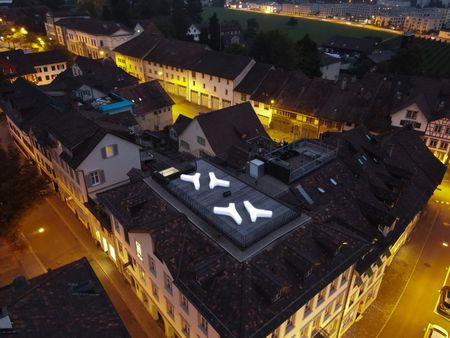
229	211
216	182
256	213
194	179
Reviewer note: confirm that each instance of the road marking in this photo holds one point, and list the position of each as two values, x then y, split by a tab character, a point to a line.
33	253
410	276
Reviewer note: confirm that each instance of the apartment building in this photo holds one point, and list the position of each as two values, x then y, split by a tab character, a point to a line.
304	272
424	22
52	17
79	156
437	138
202	76
40	68
92	38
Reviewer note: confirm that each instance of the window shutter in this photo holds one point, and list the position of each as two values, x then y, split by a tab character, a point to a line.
115	149
87	179
101	175
103	152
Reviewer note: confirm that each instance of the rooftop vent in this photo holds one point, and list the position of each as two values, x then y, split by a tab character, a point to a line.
333	181
321	190
84	288
20	283
5	321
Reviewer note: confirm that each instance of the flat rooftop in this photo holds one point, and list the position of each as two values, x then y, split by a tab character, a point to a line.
204	200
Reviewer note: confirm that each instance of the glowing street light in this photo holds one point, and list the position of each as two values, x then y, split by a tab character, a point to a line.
41	230
13	30
23	31
445	244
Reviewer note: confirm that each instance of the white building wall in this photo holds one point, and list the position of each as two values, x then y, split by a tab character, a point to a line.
189	140
150	273
45	74
115	168
398	117
331	72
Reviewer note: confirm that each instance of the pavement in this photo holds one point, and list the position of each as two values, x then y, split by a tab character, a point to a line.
52	236
409	292
186	108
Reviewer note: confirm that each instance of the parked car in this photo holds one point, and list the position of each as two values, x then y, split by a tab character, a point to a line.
444	302
435	331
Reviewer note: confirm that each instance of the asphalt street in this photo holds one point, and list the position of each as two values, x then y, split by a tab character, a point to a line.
410	290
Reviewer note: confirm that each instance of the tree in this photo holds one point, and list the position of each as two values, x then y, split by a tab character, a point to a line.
407	61
252	28
120	10
308	56
204	35
218	3
21	185
194	10
292	22
179	19
214	32
275	48
236	48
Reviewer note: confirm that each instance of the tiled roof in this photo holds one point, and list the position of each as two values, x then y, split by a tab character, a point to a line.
34	111
45	58
69	300
181	123
146	96
93	26
101	74
223	65
237	124
17	59
377	180
360	45
253	78
139	46
169	52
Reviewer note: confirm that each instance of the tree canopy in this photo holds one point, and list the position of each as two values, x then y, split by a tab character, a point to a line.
20	187
214	32
275	48
308	56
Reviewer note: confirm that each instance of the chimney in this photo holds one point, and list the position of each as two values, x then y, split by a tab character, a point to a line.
20	283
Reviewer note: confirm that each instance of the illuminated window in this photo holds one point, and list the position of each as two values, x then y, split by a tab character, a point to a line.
139	251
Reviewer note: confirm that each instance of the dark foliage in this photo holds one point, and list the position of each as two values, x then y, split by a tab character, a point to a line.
20	186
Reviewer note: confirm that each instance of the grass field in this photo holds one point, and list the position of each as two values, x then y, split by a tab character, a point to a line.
317	30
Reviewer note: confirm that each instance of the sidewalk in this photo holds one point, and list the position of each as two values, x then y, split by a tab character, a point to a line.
133	313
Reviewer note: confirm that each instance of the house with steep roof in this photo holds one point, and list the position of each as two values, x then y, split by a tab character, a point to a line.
88	79
152	106
92	38
75	304
215	132
340	209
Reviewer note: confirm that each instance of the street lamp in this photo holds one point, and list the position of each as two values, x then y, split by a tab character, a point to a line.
23	31
13	30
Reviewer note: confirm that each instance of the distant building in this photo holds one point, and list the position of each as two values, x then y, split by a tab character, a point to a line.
53	17
230	33
75	303
194	32
90	37
330	66
40	68
349	47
